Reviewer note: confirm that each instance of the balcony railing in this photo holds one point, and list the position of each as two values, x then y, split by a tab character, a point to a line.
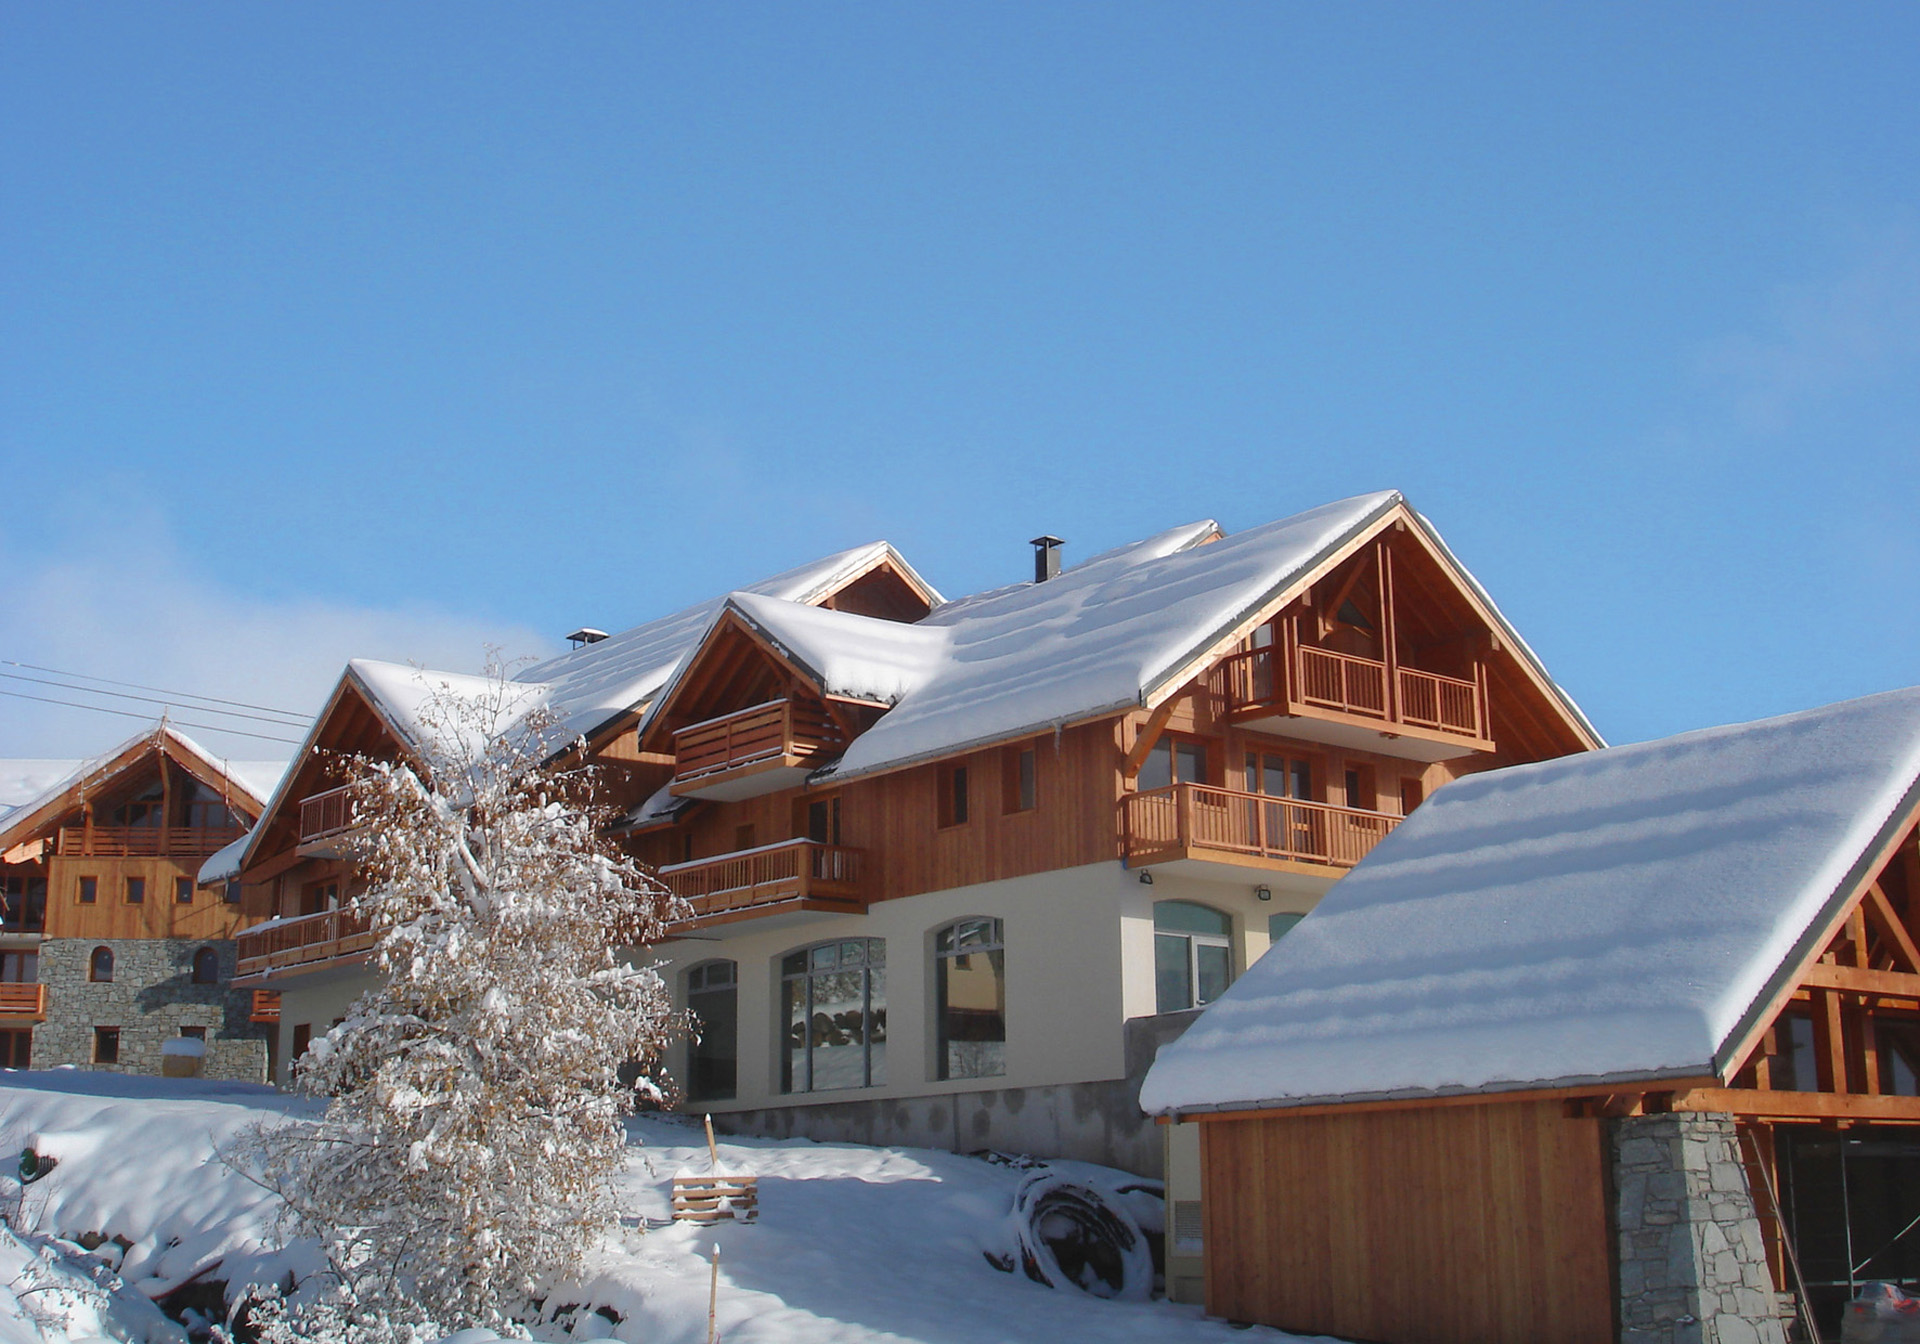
28	1000
325	814
302	941
142	842
774	731
1184	819
792	872
1252	681
266	1006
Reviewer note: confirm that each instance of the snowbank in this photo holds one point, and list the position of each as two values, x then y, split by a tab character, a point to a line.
854	1245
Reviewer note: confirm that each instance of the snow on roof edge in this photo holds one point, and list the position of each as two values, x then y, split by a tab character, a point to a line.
1514	1087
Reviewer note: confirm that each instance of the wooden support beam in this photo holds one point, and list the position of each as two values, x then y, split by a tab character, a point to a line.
1883	913
1855	980
1857	932
1329	610
1389	631
1746	1101
1149	734
1831	1035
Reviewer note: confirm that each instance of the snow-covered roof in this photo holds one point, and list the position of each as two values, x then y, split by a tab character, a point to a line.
1620	915
592	685
224	862
406	696
49	780
849	656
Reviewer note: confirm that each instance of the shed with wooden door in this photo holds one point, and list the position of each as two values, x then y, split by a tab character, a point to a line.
1585	1050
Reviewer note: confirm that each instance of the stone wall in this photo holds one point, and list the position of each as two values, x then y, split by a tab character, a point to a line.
1693	1268
150	998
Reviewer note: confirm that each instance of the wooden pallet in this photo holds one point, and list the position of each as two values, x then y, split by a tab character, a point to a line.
712	1199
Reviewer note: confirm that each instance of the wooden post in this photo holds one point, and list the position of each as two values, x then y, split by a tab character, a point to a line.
1389	635
713	1152
713	1280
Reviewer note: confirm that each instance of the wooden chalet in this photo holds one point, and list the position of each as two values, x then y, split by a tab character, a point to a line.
1624	1046
981	853
108	944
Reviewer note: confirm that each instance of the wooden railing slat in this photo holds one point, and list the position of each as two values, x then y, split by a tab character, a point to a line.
1260	825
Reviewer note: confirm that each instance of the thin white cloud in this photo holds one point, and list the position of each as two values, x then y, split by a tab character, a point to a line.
1826	337
102	608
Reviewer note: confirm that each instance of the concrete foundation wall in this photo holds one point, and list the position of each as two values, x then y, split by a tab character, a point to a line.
150	998
1692	1265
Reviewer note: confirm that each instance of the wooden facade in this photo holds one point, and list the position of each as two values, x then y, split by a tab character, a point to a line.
1429	1225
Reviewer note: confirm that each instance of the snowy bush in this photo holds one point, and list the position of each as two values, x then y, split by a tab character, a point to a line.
470	1145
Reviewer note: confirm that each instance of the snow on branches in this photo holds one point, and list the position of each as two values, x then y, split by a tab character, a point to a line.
474	1130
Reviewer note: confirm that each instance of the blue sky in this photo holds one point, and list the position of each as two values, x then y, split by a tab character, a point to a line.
396	330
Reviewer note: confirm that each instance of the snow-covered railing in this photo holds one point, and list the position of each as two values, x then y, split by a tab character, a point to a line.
119	842
297	942
791	870
17	1000
765	732
1322	679
1167	823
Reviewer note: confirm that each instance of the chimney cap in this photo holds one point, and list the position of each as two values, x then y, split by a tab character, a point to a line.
586	635
1049	541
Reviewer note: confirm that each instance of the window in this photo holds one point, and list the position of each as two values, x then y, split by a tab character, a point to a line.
232	893
206	967
1019	779
193	1033
136	891
1411	795
106	1045
1279	926
713	997
16	1049
1795	1066
100	965
1280	776
1192	955
1360	789
143	810
302	1038
970	997
26	903
833	999
823	821
19	968
183	891
1173	760
319	897
89	890
954	803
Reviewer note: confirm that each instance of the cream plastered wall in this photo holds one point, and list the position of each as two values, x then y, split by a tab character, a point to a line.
1079	962
316	999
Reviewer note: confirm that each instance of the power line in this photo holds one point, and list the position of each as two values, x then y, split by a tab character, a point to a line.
158	690
149	699
129	714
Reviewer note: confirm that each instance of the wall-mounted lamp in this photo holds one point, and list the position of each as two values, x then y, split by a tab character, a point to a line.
1146	878
1263	893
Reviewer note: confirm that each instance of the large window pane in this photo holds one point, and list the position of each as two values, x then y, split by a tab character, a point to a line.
1214	964
834	1005
713	1060
971	996
1172	976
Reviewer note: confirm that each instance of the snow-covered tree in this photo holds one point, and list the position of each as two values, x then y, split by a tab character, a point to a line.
473	1133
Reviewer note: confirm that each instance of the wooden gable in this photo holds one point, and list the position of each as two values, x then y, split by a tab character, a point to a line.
1839	1038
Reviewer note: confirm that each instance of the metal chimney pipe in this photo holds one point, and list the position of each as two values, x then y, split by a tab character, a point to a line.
1046	558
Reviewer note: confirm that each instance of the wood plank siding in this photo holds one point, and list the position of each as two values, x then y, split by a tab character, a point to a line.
1476	1224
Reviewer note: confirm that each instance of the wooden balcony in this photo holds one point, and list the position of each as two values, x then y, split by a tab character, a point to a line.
1324	696
266	1007
144	842
331	935
753	751
1197	822
789	878
326	819
17	1001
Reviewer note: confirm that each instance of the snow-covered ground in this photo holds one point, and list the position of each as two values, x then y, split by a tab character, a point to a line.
852	1243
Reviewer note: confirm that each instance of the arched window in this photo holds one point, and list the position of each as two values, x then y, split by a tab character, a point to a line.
970	998
206	967
1192	955
713	997
833	1000
100	966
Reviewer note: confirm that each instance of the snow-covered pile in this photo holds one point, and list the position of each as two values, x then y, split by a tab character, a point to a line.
853	1244
1619	915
